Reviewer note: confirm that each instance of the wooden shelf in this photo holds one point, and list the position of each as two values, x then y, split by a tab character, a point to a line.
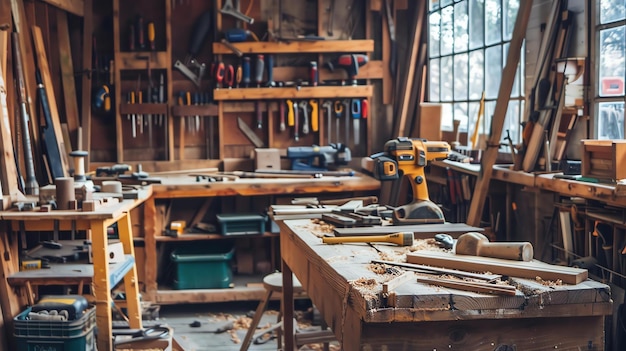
313	47
193	110
321	92
197	236
143	108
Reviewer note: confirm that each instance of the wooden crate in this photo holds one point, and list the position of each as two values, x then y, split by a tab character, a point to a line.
604	159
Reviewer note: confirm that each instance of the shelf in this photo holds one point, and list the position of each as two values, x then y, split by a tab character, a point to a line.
143	108
70	273
139	60
193	110
313	47
195	237
321	92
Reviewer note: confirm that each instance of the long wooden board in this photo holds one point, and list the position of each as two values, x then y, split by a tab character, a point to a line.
421	231
532	269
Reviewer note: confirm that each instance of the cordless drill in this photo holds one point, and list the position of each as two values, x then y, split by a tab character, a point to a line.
349	62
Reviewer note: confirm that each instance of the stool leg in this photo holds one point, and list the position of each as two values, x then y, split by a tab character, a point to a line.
255	321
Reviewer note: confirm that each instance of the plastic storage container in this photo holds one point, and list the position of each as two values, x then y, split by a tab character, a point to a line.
54	335
242	224
203	268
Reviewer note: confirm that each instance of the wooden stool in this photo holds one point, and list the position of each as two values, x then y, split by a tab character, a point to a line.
273	283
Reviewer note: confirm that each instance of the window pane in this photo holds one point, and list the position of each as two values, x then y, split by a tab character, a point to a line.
434	4
446	83
460	27
434	29
447	30
434	80
493	20
445	3
611	120
612	53
510	13
477	23
460	77
446	117
511	121
460	113
515	91
477	74
612	10
472	115
493	70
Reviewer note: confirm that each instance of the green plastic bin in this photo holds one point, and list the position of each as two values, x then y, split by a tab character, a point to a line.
71	335
199	268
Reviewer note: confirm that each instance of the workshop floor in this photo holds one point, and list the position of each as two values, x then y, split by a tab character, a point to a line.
194	325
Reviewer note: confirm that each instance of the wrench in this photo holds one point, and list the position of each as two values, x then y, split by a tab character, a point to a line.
305	112
296	122
229	9
327	105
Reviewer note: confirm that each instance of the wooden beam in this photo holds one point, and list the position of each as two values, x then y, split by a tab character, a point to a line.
502	103
76	7
318	46
42	60
9	184
67	76
85	122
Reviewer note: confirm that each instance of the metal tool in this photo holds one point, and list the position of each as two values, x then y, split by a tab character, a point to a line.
296	125
196	78
258	69
245	66
346	108
281	111
318	158
355	110
350	63
229	9
328	106
305	113
338	114
132	117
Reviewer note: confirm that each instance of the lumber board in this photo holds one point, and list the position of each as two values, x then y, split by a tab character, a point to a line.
327	92
421	231
67	75
530	269
9	185
319	46
85	122
42	60
470	286
508	76
387	83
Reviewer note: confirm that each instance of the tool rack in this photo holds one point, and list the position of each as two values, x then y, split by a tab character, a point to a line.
172	145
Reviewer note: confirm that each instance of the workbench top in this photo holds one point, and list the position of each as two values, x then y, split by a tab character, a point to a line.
183	186
348	291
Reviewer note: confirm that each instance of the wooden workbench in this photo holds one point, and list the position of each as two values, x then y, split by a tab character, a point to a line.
105	276
426	317
188	187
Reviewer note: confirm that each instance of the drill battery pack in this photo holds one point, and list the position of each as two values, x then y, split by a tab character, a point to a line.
75	305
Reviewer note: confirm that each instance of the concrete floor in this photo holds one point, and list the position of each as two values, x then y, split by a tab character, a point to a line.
201	335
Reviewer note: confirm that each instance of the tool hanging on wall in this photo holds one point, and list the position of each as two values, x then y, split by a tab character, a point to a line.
229	9
200	31
31	187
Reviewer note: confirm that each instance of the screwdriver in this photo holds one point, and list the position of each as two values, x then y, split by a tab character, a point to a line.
133	118
290	117
140	35
140	101
338	114
219	74
196	102
188	103
270	71
258	71
131	38
238	76
246	71
296	122
151	36
281	111
356	120
230	76
314	116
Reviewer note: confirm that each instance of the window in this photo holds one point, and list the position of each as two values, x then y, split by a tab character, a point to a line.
610	49
468	45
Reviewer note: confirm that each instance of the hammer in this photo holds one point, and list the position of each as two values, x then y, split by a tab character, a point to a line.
400	238
477	244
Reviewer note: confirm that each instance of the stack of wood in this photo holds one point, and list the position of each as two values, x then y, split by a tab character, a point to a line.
553	104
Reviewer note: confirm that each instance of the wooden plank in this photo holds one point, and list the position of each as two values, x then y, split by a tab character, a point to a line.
508	76
293	93
387	92
76	7
319	46
42	60
530	269
9	184
421	231
67	76
371	70
406	92
85	118
470	286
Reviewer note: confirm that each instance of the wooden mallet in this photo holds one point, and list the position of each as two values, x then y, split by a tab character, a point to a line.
400	238
476	244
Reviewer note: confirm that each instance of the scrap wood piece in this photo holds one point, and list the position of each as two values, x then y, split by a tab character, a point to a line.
532	269
396	282
435	270
487	288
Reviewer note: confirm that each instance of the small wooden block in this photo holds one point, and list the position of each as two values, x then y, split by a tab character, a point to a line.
45	208
89	206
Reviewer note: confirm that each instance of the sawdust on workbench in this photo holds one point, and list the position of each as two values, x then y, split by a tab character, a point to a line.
550	283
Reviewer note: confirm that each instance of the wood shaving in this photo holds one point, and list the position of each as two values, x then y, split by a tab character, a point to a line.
551	283
364	282
323	226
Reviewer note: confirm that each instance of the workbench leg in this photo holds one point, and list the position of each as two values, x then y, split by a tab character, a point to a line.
131	285
102	285
288	307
